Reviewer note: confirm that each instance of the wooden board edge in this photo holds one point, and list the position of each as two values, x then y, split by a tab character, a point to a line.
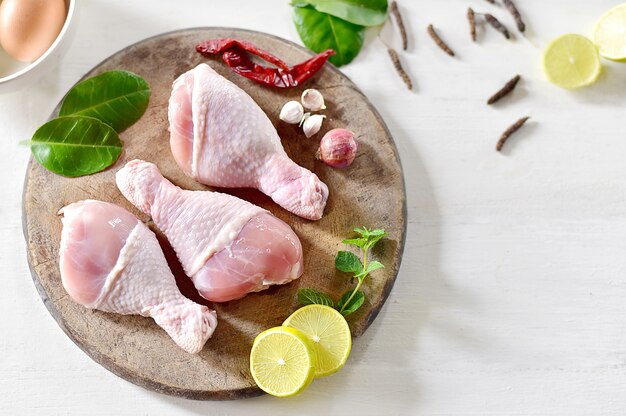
199	394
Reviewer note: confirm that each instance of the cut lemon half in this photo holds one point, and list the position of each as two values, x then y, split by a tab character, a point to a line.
610	33
282	361
329	334
572	61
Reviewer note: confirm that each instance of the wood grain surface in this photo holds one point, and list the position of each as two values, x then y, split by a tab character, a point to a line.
369	193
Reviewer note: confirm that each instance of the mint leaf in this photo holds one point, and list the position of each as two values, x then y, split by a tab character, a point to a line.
371	241
359	242
348	262
354	304
314	297
369	233
363	231
374	265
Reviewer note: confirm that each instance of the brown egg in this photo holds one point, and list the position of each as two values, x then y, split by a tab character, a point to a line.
29	27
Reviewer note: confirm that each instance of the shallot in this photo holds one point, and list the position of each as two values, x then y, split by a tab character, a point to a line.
337	148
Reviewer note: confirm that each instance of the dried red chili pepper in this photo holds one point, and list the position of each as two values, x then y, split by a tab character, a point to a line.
241	63
215	46
235	56
305	70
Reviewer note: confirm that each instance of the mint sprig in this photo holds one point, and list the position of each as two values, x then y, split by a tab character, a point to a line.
312	296
348	262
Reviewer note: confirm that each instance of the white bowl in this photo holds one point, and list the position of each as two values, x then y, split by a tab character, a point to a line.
13	71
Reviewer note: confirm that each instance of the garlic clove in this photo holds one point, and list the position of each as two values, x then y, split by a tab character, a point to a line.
304	118
292	112
313	100
312	125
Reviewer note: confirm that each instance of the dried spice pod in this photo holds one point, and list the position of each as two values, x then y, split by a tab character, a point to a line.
395	59
395	11
471	18
521	26
497	25
442	45
505	90
508	132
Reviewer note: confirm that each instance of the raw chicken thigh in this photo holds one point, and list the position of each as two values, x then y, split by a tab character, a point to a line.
111	261
221	137
229	247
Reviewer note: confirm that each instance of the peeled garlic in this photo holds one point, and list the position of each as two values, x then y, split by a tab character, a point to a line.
312	125
292	112
304	118
313	100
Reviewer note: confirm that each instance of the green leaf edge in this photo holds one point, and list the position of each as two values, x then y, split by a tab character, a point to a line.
33	142
147	90
309	301
305	3
353	257
359	298
339	58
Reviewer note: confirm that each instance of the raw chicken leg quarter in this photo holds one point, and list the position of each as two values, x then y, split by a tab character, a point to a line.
220	137
229	247
111	261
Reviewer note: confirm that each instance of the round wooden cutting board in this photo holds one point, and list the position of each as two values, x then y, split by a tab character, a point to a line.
369	193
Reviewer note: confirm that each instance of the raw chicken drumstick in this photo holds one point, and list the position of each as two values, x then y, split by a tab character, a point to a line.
112	262
220	137
229	247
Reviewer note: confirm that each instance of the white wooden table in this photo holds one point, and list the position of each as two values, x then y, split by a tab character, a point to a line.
511	299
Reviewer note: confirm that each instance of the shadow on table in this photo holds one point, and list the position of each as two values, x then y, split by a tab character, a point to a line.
609	89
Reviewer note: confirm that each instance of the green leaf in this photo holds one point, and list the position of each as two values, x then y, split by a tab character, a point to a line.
359	12
364	232
370	233
374	265
314	297
355	303
359	242
321	31
348	262
371	241
75	145
118	98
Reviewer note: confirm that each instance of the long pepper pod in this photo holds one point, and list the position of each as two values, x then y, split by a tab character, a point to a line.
505	90
521	26
442	45
508	132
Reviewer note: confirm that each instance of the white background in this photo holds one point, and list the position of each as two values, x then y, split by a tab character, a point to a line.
511	299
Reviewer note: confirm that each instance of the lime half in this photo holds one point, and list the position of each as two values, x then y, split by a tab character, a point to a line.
610	33
329	334
282	361
572	61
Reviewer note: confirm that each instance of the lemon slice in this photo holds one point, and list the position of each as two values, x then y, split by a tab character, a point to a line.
572	61
610	33
329	334
282	361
